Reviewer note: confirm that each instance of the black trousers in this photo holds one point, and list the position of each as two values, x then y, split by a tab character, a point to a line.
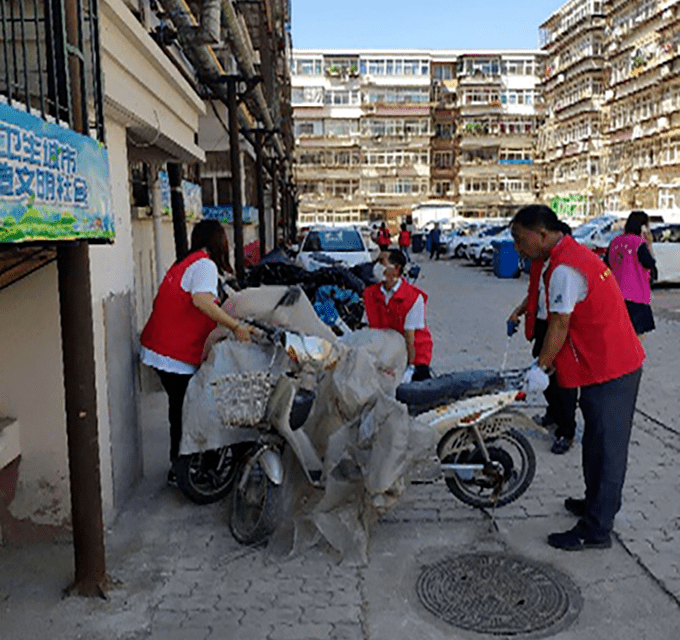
561	402
608	415
422	372
175	385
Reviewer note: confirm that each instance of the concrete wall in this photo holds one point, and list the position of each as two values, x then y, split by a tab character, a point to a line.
32	390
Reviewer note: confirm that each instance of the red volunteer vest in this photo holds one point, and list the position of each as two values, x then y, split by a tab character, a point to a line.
404	238
601	343
532	298
383	237
393	315
177	328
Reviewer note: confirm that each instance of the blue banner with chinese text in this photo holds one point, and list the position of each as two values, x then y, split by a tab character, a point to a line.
54	182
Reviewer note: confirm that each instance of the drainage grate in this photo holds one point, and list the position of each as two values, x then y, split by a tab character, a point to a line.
498	594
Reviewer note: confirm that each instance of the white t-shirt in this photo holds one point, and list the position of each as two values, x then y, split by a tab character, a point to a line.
415	318
567	287
200	277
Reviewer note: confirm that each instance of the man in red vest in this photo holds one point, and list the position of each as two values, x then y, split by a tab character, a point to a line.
591	344
396	304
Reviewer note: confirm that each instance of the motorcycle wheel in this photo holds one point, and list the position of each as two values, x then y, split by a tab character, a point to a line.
255	506
206	477
516	457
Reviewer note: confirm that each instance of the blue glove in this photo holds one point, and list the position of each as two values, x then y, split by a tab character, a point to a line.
512	328
408	374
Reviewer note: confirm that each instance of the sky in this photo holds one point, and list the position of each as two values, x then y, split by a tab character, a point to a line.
419	24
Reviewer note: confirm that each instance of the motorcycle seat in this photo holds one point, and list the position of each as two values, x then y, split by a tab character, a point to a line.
425	395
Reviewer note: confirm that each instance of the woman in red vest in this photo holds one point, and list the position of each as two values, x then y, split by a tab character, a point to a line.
591	344
184	312
404	241
383	238
396	304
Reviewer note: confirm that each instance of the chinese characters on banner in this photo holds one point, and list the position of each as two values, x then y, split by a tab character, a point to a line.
54	182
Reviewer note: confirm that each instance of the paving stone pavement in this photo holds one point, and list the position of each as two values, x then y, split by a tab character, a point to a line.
178	573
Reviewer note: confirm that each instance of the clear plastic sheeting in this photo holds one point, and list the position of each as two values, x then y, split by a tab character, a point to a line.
228	395
367	442
275	305
358	439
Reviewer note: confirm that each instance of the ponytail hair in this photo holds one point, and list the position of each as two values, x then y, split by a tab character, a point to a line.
636	220
210	236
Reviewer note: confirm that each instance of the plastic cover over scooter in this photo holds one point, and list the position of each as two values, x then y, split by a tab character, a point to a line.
363	435
229	392
367	442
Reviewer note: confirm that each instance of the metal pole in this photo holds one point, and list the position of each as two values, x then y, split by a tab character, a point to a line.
275	204
235	157
157	217
179	223
77	337
261	218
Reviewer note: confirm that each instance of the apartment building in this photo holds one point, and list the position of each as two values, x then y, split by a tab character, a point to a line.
362	129
611	83
642	101
570	144
499	111
380	131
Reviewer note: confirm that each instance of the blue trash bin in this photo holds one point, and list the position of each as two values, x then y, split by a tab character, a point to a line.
505	259
417	242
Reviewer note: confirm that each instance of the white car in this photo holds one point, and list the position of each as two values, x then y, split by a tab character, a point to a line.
323	247
665	245
666	248
472	247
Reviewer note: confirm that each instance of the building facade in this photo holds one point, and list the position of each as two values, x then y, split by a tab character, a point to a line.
158	99
610	142
380	131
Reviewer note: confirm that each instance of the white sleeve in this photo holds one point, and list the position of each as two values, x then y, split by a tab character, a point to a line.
415	318
201	277
568	286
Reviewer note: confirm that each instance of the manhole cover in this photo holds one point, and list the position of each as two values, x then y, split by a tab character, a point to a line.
498	594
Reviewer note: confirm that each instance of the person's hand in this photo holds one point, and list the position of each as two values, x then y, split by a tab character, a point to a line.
242	333
408	374
536	379
647	235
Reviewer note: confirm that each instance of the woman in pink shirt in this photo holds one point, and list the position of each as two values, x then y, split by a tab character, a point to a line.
631	260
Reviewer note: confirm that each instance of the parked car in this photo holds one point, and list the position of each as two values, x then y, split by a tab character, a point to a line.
473	249
327	245
593	233
455	241
484	249
666	248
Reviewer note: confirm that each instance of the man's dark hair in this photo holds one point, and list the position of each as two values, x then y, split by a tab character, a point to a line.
636	220
536	216
397	258
211	236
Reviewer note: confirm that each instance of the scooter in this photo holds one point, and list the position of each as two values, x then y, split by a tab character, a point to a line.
485	460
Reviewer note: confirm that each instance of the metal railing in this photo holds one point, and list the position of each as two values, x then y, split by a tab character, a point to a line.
44	46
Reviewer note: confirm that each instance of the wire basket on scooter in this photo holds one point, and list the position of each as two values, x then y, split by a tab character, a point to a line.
242	398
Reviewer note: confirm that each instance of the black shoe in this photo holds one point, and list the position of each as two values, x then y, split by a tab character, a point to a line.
172	478
575	506
572	541
543	421
560	445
